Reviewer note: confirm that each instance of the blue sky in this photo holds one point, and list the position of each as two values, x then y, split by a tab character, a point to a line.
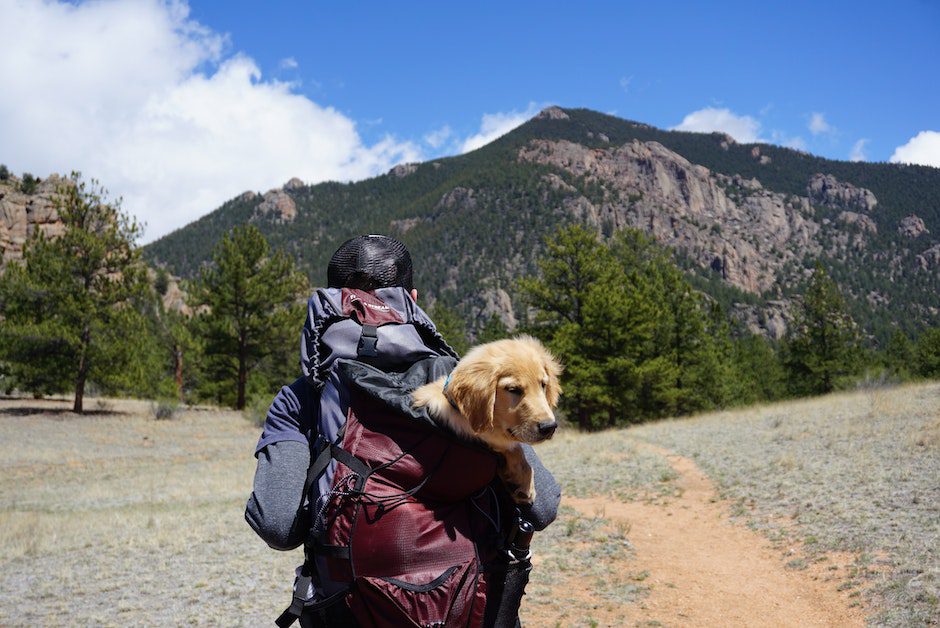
179	106
872	69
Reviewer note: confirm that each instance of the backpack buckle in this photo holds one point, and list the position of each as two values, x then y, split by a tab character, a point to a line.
368	342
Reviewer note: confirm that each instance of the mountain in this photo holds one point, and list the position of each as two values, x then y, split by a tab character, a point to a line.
747	221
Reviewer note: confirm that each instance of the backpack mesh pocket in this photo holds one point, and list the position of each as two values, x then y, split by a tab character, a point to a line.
424	600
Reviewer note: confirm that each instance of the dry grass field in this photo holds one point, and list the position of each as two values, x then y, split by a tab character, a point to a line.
115	518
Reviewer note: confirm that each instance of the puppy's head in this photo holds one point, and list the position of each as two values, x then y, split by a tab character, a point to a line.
508	388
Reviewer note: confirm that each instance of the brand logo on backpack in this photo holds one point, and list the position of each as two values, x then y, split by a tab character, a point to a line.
367	308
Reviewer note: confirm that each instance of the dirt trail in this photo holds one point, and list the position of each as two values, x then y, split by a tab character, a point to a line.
705	571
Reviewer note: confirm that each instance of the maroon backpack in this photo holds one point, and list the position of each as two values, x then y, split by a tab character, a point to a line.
403	512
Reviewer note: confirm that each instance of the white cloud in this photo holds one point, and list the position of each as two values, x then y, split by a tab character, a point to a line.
625	83
818	125
289	63
139	96
923	149
494	125
744	129
436	138
858	150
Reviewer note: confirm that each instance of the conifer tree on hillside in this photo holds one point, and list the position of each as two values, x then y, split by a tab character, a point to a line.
637	341
690	334
250	314
758	373
72	308
928	353
899	355
823	344
577	286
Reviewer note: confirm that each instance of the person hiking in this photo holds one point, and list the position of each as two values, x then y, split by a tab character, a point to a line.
365	346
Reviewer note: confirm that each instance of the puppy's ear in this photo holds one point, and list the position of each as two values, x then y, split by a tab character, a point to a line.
472	388
554	368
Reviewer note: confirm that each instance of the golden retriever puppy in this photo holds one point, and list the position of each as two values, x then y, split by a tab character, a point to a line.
503	393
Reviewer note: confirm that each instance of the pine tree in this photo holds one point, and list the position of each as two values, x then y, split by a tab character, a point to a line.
72	308
928	353
691	335
823	345
758	372
574	264
250	313
595	309
899	354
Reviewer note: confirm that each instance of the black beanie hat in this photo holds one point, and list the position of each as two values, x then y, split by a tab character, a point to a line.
368	262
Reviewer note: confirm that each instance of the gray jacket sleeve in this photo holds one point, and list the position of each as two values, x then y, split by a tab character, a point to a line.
547	493
274	508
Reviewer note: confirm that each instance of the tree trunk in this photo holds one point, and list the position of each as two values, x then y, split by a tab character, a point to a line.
242	377
82	371
178	358
584	418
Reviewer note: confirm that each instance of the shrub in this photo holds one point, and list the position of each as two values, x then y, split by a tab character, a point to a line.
4	173
165	409
162	282
29	183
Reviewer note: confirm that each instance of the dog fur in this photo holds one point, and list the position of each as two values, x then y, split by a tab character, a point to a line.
502	393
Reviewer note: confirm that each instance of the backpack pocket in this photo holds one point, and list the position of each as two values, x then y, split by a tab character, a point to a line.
454	597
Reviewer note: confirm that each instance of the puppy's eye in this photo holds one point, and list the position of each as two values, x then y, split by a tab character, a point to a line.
515	390
544	384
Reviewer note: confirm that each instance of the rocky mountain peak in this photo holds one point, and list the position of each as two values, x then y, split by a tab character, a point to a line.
293	184
552	113
277	205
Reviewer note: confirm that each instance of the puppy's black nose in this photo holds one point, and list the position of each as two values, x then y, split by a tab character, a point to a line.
547	428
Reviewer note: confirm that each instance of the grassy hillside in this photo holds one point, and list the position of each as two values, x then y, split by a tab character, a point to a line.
475	222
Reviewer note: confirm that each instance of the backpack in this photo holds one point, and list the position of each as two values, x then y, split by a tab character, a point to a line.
403	514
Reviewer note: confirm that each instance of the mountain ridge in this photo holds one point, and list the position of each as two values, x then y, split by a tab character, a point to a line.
747	221
848	215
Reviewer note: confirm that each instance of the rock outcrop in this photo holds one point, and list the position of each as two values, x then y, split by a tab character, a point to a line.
403	170
458	197
496	302
826	190
912	227
294	184
761	159
861	221
729	224
276	205
22	214
771	320
552	113
929	260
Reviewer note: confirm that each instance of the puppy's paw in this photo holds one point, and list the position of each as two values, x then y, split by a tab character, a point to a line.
517	475
523	497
